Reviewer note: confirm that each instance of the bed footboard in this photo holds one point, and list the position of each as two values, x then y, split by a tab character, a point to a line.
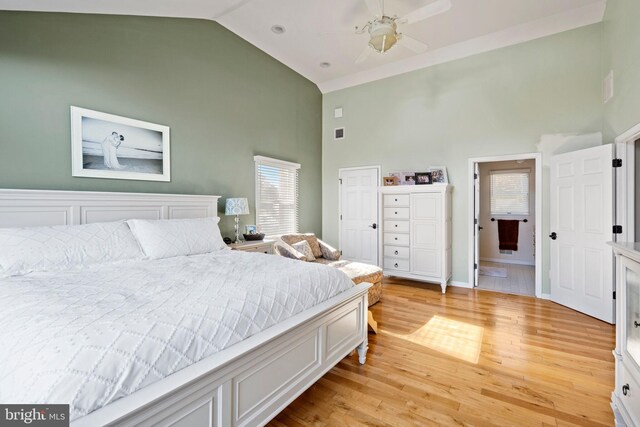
251	382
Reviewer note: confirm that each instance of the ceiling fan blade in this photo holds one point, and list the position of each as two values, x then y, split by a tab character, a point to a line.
364	55
413	44
432	9
375	7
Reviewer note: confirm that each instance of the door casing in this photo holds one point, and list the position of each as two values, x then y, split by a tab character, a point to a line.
537	157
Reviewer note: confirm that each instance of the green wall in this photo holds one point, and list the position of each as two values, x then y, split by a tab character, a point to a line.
495	103
622	55
224	100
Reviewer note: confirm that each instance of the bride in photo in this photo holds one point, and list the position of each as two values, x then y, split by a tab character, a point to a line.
109	150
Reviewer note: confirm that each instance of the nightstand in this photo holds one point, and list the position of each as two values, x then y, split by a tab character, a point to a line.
264	246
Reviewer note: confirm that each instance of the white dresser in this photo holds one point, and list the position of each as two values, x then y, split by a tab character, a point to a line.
416	232
625	399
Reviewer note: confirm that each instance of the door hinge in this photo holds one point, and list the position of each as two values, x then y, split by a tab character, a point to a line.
475	266
475	176
616	163
340	217
340	179
340	253
614	294
475	221
617	229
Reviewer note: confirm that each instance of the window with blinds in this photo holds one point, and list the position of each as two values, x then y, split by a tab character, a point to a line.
510	192
276	196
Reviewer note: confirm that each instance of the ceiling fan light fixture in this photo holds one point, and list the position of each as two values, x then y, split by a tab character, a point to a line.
383	43
383	34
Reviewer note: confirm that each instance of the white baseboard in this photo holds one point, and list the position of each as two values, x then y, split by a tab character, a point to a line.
545	296
508	261
460	284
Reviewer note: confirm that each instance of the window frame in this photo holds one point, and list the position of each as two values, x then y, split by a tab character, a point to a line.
282	164
523	171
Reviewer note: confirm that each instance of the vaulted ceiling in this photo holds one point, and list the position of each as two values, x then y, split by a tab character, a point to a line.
323	31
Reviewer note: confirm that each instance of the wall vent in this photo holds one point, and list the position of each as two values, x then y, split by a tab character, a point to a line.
506	252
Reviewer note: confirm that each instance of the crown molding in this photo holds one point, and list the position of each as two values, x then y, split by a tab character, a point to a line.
547	26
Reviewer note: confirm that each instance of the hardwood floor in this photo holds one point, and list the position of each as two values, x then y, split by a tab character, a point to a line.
467	358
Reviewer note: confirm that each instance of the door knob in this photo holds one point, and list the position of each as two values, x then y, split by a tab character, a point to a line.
553	236
480	228
625	389
374	226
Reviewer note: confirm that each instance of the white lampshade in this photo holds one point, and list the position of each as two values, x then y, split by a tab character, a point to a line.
237	206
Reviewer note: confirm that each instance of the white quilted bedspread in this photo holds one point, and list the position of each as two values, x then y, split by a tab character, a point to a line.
91	336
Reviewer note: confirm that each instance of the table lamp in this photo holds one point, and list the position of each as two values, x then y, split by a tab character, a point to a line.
237	206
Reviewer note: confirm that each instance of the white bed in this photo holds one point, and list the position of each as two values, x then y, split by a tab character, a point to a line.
278	325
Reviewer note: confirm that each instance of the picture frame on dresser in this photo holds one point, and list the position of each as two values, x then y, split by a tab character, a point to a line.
439	174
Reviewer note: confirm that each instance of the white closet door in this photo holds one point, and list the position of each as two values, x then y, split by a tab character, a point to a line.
426	234
359	215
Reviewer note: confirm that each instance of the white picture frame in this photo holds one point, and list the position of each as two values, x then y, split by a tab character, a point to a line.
439	174
114	147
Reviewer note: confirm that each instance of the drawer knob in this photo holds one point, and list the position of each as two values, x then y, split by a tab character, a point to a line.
395	200
396	238
396	225
396	213
625	389
396	252
396	266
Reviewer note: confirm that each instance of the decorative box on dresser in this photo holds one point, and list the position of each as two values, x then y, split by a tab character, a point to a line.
416	232
625	399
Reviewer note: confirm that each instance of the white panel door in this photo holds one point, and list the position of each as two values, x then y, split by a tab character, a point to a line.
359	215
581	220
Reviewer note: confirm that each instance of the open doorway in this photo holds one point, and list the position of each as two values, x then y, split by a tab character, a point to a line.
505	215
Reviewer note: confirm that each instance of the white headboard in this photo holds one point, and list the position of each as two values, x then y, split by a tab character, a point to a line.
27	208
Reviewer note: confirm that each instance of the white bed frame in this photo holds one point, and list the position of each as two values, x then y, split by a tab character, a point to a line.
246	384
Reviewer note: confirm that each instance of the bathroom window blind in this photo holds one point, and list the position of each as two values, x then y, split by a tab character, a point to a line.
277	194
510	192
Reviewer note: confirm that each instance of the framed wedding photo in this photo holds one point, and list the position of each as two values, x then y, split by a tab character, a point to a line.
114	147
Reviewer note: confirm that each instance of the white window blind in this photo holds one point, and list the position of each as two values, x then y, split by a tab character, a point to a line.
276	196
510	192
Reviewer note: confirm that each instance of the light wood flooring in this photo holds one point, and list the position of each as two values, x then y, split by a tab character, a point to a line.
521	279
469	357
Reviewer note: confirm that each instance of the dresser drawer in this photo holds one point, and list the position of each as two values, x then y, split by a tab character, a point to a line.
396	264
396	213
396	226
396	252
631	400
396	200
396	239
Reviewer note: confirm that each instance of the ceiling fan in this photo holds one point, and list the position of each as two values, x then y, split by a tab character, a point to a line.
383	29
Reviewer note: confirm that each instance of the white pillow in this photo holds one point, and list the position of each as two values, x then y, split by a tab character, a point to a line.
305	249
26	250
177	237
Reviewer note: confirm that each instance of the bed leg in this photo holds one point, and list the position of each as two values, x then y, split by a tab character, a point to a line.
362	351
